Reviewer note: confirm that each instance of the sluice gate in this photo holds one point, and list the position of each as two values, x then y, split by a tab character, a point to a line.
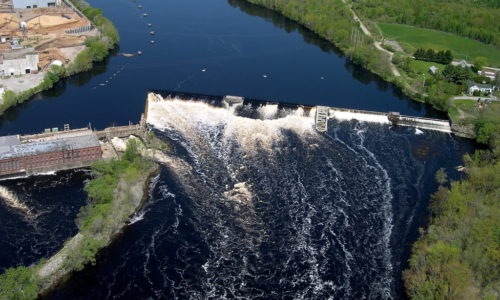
394	118
321	118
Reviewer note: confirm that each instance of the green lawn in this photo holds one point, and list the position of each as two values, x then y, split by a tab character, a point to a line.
420	66
462	48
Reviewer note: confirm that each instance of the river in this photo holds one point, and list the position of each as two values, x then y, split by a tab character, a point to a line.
259	206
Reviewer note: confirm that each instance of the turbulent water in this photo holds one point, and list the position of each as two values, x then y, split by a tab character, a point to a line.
254	203
37	215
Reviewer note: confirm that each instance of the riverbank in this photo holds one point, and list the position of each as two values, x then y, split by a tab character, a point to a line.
96	49
337	22
115	194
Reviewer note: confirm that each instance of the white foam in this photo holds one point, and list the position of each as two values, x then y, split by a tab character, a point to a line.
193	119
268	111
12	200
362	117
418	131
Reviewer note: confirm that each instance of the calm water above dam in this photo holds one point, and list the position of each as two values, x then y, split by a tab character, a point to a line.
255	204
234	42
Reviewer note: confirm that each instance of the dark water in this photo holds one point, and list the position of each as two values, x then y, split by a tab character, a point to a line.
244	208
236	43
47	219
247	208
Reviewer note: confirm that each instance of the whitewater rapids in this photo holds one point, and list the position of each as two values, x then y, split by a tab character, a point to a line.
248	176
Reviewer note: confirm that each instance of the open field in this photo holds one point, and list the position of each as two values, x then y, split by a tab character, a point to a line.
468	109
412	38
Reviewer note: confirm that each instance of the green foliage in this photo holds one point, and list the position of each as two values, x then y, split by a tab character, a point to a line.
442	57
486	132
458	256
411	38
91	12
88	252
469	18
456	74
441	176
18	284
480	62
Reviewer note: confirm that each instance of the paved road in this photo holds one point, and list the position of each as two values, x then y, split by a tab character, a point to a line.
474	98
25	82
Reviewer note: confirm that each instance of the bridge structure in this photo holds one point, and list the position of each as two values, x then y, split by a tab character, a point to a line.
324	113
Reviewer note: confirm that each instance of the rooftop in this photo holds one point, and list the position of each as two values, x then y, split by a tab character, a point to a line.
471	83
11	146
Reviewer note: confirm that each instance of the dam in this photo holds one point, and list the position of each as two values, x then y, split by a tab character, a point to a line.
55	150
321	113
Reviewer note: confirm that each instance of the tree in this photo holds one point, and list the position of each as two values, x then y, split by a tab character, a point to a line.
456	74
486	132
430	54
18	284
480	62
448	57
441	176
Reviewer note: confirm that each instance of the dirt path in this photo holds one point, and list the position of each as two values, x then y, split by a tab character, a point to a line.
376	43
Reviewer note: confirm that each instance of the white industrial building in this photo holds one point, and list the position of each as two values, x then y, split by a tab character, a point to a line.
35	3
12	65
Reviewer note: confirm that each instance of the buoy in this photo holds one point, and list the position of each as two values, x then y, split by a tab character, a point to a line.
152	42
322	77
149	24
145	14
204	70
139	6
152	32
139	52
265	76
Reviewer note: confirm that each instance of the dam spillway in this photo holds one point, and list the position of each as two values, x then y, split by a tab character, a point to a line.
321	113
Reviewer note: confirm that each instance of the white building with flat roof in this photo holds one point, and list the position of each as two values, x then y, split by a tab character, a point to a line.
35	3
19	66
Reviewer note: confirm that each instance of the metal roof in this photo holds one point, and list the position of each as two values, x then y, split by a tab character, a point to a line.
10	146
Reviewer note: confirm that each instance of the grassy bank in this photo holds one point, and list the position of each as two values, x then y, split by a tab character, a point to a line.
115	193
97	49
412	38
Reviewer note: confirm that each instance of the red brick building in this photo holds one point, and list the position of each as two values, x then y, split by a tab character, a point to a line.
49	152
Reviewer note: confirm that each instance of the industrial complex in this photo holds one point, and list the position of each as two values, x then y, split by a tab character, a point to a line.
36	34
54	150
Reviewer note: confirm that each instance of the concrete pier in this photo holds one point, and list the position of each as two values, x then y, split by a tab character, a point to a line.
394	118
321	118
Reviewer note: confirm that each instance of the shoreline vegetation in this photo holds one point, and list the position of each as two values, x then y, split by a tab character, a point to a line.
338	23
97	49
115	193
457	255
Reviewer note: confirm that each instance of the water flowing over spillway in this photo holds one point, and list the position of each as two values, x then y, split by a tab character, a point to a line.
267	208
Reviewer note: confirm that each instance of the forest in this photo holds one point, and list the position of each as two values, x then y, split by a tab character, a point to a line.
477	20
458	255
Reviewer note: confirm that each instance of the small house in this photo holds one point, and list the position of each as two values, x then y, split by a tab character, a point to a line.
484	88
433	70
464	64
